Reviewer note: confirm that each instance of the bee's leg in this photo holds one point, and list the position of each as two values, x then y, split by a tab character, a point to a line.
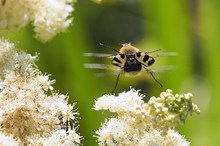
117	80
152	74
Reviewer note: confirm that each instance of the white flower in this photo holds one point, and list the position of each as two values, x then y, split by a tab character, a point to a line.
49	17
6	56
8	140
139	123
154	138
121	103
27	112
59	137
116	132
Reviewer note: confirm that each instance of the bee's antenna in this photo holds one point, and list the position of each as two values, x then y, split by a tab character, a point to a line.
116	83
109	47
152	75
153	51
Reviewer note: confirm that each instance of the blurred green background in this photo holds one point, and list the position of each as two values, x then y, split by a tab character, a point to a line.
191	28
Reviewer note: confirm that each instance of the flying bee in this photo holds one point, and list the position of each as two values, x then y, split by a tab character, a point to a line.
129	60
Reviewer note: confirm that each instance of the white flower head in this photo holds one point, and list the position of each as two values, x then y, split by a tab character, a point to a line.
155	137
6	56
139	123
59	137
27	112
120	103
49	17
8	140
114	130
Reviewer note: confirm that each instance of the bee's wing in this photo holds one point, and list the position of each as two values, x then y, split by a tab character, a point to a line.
102	55
167	54
102	69
162	69
95	66
100	66
156	70
165	68
162	54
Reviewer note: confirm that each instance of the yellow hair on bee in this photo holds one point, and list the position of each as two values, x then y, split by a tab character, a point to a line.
128	49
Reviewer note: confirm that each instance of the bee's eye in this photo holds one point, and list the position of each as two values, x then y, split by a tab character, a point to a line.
122	56
138	54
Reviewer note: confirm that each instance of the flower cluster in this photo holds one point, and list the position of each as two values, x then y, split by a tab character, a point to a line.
28	114
168	110
140	123
49	17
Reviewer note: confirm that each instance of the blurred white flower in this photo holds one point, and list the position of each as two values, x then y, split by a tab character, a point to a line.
121	103
28	113
139	123
49	17
8	140
172	138
97	1
58	138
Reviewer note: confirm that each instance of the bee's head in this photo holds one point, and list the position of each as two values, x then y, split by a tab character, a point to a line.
131	59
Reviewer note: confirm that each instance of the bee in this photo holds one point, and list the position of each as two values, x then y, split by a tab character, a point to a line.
130	60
